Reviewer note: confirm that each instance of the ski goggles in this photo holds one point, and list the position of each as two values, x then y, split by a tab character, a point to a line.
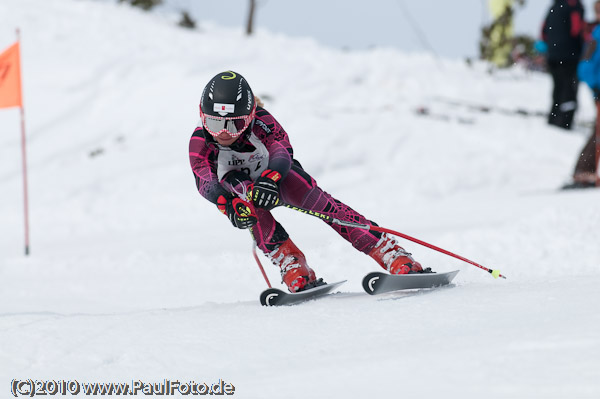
233	125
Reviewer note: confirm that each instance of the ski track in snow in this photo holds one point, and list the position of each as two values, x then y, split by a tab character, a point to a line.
134	276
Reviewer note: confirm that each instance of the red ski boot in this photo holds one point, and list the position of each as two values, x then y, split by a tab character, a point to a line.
393	258
295	273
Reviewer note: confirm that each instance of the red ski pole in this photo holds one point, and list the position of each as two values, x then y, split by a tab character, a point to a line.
495	273
260	266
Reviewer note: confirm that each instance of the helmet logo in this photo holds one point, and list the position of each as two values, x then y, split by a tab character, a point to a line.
210	90
224	108
226	77
239	92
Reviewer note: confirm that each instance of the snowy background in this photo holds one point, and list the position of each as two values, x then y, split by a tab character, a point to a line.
448	28
133	275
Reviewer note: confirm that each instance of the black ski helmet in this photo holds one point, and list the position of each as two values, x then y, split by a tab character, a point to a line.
227	94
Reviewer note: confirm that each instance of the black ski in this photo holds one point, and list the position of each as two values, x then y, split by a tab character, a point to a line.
578	186
277	297
378	283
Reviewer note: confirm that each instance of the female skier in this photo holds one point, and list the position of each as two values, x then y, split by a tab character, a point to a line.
244	163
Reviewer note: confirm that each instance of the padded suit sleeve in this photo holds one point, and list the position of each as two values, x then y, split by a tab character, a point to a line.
202	161
276	140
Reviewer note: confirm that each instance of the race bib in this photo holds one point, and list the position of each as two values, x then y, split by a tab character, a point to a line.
252	163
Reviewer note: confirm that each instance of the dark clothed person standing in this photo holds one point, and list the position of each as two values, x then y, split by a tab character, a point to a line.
563	32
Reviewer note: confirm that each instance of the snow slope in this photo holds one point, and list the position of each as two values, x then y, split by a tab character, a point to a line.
133	276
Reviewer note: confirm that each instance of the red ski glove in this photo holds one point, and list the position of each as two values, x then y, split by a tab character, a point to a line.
265	193
237	210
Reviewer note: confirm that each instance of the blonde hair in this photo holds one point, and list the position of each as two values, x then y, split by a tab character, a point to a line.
261	104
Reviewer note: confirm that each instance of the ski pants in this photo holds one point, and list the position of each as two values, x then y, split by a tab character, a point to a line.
564	94
298	188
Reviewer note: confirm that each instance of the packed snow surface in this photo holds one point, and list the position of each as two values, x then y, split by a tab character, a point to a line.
134	276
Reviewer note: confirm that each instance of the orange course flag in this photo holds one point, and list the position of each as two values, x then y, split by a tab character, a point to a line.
10	77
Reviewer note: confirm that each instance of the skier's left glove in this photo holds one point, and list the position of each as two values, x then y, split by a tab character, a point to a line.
265	193
237	210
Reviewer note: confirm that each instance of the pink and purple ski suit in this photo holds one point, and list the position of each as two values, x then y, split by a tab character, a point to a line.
265	145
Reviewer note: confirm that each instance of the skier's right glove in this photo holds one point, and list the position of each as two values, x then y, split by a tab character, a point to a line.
237	210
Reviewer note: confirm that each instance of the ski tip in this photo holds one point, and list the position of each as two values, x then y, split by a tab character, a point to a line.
370	282
270	297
